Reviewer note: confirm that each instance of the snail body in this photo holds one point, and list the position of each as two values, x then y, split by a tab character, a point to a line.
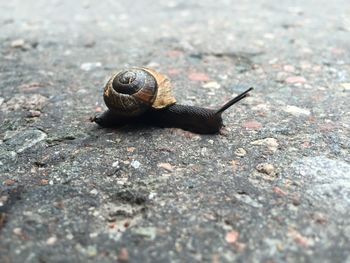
144	95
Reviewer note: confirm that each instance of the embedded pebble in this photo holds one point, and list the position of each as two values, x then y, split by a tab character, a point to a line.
270	143
148	232
240	152
166	166
18	43
346	86
198	76
266	168
295	79
88	66
135	164
34	113
232	236
17	231
296	111
51	241
123	255
3	200
94	192
252	125
24	140
115	164
211	85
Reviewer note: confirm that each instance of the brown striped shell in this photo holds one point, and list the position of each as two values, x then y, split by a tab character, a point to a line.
132	91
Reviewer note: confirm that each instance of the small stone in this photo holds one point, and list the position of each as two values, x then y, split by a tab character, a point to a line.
88	66
198	76
135	164
44	182
235	165
299	238
270	143
93	235
252	125
166	166
130	149
94	192
266	168
8	182
278	191
240	152
153	64
51	241
296	111
346	86
1	100
24	140
17	231
211	85
123	255
3	200
34	113
295	79
152	195
148	232
18	43
288	68
91	251
320	218
115	164
232	237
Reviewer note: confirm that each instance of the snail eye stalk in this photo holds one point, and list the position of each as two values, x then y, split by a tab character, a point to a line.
144	95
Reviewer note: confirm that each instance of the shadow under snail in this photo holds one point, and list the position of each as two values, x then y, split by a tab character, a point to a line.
144	95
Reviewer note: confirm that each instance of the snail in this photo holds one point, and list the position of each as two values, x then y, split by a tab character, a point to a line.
144	95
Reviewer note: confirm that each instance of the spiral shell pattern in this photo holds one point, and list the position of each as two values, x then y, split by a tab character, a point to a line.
130	92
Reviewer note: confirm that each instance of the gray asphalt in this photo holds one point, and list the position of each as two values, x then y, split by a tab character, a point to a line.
273	187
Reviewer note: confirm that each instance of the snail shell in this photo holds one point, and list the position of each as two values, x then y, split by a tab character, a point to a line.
132	92
142	94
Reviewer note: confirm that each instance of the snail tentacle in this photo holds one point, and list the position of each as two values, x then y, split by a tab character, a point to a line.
144	95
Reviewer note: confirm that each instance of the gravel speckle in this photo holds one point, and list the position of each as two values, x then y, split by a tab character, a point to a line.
270	143
266	168
71	191
296	111
136	164
88	66
240	152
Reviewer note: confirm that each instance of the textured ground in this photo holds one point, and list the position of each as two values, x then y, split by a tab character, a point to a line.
274	187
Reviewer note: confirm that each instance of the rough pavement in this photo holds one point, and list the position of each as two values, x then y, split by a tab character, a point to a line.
273	188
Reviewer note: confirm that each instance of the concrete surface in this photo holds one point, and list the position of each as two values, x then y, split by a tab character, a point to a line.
274	187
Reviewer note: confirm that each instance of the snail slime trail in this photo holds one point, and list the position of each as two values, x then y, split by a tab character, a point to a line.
144	95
